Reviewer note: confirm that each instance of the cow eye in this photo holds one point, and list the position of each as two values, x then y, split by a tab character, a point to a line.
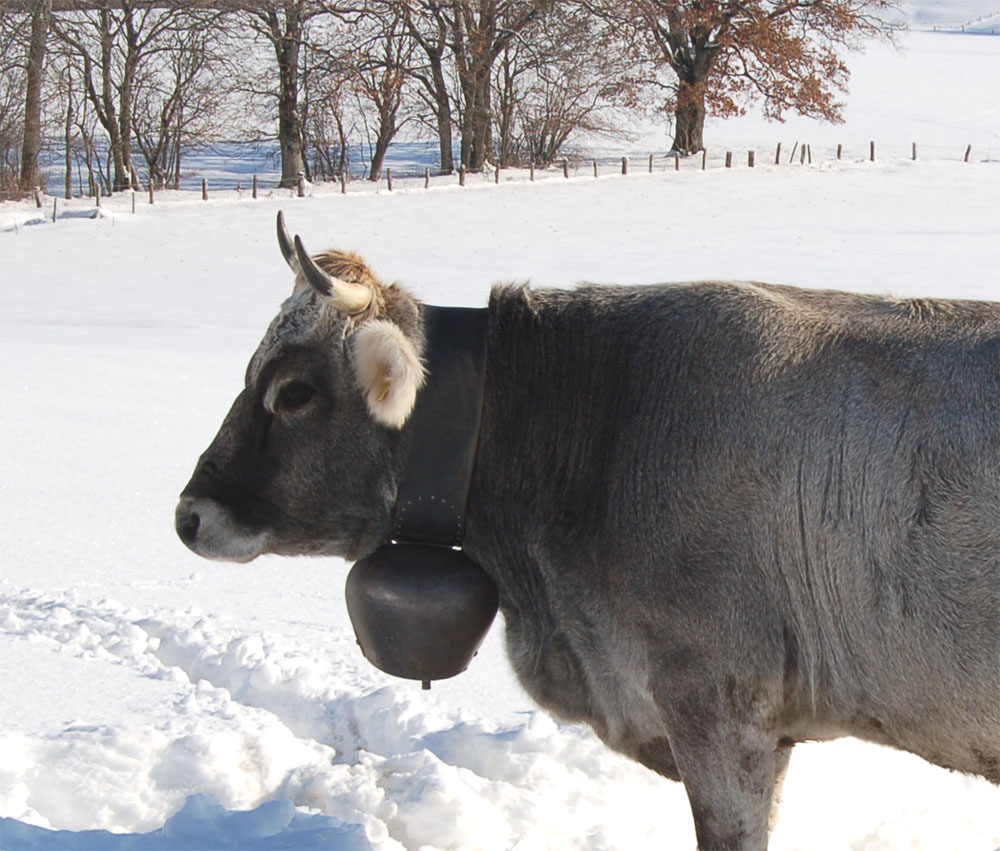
294	395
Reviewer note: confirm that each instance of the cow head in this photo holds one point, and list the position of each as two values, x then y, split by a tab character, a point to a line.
309	457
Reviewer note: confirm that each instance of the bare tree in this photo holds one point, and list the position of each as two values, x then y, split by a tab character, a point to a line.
111	46
568	78
180	97
381	71
725	53
326	126
14	36
283	23
325	94
517	78
480	31
428	26
110	39
41	19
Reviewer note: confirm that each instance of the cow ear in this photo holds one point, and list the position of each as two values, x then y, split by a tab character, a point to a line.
388	371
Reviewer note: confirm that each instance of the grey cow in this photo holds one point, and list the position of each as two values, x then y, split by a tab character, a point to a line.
723	518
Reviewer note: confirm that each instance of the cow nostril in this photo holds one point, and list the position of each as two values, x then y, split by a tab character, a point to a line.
187	526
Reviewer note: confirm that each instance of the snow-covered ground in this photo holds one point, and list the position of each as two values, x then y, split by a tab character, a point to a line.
153	700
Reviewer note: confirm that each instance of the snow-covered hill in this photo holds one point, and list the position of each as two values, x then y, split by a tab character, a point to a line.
966	16
183	704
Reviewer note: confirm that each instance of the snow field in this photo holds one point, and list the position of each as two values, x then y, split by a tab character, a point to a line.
251	719
185	704
141	676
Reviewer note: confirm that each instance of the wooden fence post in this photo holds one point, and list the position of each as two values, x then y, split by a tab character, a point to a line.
729	159
38	198
388	178
427	178
595	168
750	158
461	174
650	163
301	186
204	189
55	205
839	149
809	154
97	194
968	151
150	192
496	173
914	151
531	171
133	202
255	187
777	154
704	157
871	151
343	183
565	168
802	154
791	156
624	165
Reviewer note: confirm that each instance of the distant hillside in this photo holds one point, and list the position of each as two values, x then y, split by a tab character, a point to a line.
971	16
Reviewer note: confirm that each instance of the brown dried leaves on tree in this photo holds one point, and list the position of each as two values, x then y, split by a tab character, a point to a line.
725	55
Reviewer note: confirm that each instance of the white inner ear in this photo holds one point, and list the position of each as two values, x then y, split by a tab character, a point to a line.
388	371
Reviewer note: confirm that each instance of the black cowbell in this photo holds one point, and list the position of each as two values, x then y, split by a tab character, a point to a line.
420	611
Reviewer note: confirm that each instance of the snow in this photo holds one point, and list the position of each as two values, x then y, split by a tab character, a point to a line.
956	15
167	702
917	91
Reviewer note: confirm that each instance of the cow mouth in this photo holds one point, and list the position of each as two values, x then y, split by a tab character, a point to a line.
210	530
218	518
208	524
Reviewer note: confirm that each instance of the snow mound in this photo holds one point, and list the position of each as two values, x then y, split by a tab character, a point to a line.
255	718
202	824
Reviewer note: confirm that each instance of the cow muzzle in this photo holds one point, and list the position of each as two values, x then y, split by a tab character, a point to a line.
209	529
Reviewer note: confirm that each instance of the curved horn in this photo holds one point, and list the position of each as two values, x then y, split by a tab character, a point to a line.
285	244
348	298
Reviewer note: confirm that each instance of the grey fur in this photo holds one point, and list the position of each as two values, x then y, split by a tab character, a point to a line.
723	517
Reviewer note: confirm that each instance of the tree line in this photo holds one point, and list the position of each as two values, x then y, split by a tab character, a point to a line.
124	87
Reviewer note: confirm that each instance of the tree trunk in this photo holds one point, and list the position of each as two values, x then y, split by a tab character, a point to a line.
289	137
127	180
68	136
505	114
109	117
378	158
476	119
177	147
442	114
447	157
286	48
435	84
386	131
41	19
689	120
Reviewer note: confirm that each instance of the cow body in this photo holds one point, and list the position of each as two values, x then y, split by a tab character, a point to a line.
746	516
723	517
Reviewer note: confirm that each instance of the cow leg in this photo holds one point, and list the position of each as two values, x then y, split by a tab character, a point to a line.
656	754
730	791
781	756
730	769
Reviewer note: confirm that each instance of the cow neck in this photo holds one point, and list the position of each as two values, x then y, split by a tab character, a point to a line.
444	428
